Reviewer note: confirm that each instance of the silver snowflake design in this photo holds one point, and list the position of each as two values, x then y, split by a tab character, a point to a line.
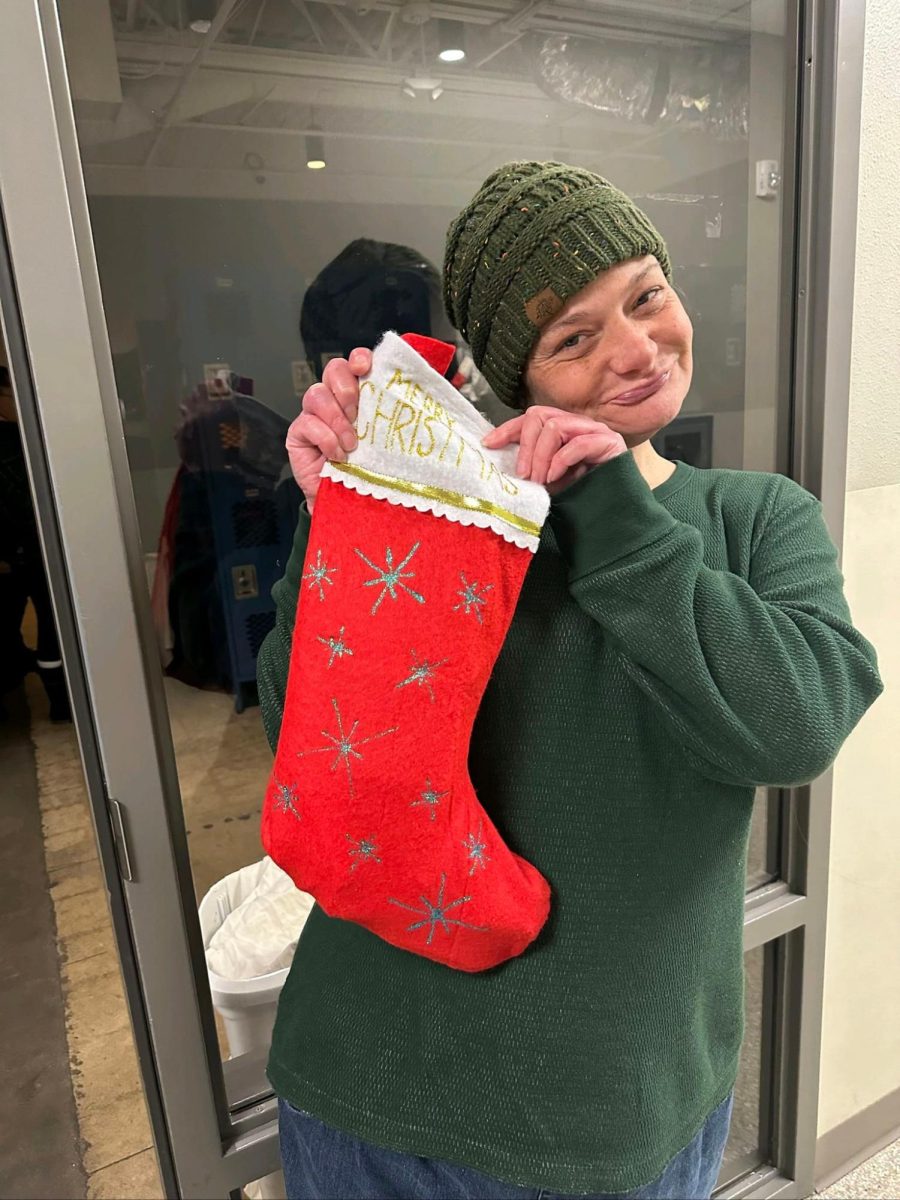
345	744
286	798
365	849
436	913
476	850
422	673
429	797
389	577
470	600
337	646
319	574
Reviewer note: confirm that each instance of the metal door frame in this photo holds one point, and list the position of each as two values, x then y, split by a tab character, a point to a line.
51	542
62	371
65	368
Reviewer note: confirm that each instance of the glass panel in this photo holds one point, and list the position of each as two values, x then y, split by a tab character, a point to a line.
231	163
64	1016
748	1138
762	854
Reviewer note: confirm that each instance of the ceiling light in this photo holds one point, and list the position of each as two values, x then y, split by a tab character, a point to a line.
451	41
419	85
200	14
315	151
415	12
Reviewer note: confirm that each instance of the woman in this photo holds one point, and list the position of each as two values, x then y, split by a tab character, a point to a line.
681	638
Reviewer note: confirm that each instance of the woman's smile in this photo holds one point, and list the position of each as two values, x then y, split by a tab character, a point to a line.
636	395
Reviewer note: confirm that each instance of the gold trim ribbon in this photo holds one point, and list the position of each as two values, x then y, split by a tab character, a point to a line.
442	495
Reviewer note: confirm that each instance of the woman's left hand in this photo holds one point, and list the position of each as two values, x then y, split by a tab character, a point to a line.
556	447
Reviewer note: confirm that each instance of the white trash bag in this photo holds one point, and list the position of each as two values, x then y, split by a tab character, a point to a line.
251	922
264	914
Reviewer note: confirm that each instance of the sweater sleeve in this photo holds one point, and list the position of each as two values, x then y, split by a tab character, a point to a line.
760	680
274	658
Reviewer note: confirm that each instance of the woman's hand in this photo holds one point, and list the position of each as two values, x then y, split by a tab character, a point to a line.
556	447
324	428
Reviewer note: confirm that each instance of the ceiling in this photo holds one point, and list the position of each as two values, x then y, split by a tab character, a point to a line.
198	97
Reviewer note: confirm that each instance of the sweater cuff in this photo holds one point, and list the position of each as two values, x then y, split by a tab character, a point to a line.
608	514
294	569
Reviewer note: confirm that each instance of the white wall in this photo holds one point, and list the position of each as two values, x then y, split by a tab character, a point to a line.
861	1031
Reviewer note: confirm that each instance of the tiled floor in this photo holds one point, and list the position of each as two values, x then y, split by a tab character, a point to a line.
878	1178
223	762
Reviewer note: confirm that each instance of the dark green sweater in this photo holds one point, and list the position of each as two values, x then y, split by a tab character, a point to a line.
670	651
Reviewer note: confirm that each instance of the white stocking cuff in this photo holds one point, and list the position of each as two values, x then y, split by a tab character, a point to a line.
420	447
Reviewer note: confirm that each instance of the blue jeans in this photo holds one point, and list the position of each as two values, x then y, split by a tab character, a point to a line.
323	1163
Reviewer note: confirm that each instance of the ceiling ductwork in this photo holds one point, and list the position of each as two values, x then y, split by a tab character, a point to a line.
695	88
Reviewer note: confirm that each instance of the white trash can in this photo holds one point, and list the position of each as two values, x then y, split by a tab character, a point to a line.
250	922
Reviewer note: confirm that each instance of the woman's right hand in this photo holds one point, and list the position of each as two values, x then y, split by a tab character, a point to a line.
324	428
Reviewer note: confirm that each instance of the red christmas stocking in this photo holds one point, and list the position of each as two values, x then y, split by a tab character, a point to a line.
418	548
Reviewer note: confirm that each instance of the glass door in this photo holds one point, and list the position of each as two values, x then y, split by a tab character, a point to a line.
202	183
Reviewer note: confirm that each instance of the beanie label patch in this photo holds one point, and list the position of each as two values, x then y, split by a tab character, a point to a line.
543	307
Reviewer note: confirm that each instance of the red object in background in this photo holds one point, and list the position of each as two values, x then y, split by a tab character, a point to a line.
438	355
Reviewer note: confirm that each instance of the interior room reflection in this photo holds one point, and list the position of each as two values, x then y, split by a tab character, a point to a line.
272	188
232	506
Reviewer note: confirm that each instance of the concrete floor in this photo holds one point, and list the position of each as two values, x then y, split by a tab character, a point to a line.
78	1120
93	1045
35	1084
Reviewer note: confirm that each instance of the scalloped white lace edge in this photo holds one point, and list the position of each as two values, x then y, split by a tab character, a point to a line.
525	541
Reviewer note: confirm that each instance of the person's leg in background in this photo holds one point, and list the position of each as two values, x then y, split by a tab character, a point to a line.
49	656
20	551
16	660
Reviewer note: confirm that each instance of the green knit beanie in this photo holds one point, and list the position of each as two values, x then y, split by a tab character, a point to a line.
534	234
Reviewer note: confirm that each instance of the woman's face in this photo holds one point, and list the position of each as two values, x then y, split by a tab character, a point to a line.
626	330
